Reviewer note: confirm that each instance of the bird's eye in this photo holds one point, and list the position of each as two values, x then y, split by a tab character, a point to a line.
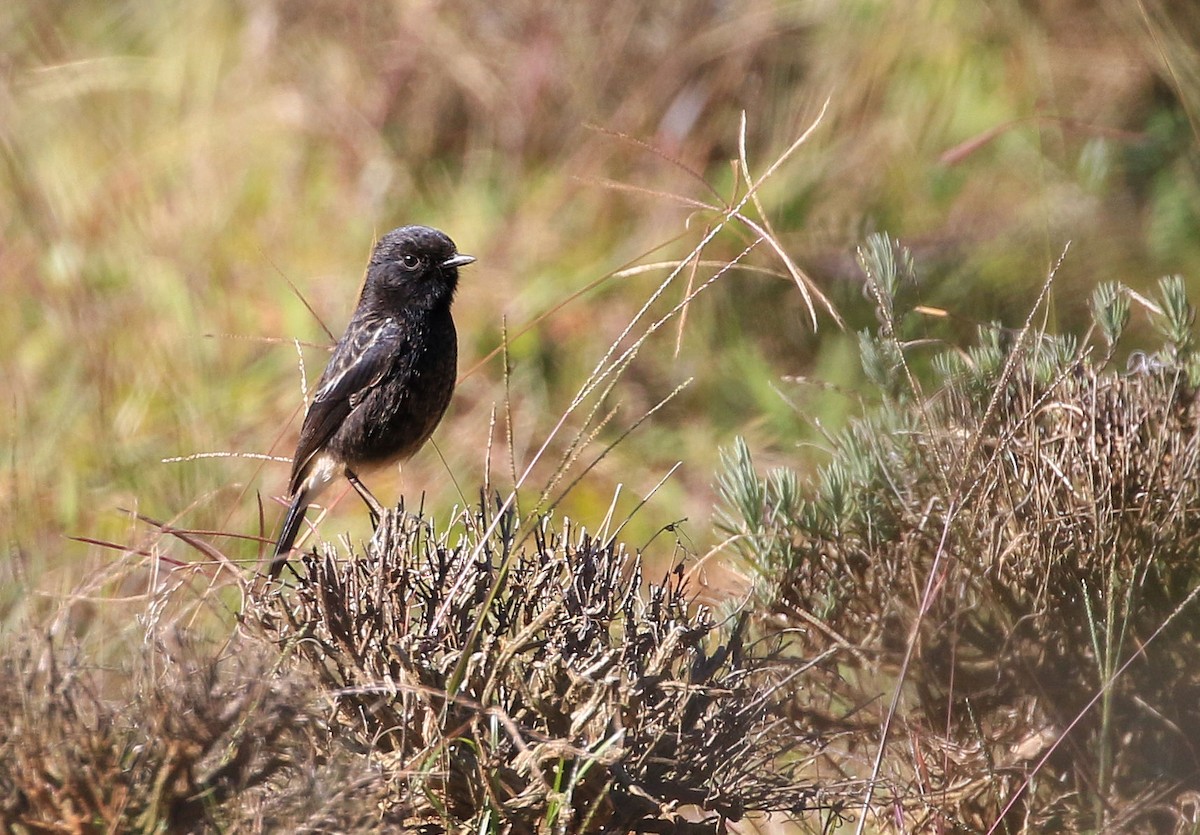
410	261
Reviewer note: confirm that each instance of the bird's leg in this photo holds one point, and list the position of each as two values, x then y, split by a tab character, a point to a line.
373	505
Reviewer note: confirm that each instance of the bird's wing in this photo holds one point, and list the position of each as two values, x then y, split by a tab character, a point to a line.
363	356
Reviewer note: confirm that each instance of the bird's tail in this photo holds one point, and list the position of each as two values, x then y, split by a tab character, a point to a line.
291	527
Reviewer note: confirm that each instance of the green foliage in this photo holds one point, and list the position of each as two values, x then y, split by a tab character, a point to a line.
1110	310
887	268
1175	317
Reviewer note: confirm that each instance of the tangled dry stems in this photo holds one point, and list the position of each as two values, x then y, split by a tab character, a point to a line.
1029	532
538	688
519	685
1046	507
183	741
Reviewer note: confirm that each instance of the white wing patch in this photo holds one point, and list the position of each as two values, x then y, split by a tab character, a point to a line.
360	352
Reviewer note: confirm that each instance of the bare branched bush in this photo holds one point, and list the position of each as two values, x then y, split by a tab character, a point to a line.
1011	557
537	686
183	742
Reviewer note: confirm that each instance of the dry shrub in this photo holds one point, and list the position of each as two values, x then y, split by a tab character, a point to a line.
517	680
185	741
1044	507
536	686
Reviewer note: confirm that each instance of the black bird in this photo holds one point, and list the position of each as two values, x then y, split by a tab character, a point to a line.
391	375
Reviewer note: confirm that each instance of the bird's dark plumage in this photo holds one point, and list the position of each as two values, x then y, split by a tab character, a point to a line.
391	375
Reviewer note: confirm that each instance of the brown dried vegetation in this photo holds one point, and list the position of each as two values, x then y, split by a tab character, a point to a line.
538	688
514	680
186	741
1013	559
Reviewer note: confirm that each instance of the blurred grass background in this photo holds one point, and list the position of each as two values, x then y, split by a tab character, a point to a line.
168	172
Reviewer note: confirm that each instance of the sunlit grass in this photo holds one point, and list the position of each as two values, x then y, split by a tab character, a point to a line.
186	185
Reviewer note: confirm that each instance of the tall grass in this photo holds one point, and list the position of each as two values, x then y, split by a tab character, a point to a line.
192	190
171	169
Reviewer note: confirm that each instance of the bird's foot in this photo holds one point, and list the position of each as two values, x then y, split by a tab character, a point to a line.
374	508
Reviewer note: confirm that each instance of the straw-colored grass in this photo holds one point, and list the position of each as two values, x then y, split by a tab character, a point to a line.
192	190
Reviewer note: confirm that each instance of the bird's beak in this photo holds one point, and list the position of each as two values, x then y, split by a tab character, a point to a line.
459	261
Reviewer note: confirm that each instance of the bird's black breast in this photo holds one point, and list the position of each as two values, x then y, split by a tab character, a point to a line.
392	417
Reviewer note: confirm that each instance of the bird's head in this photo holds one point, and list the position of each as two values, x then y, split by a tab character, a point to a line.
414	266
